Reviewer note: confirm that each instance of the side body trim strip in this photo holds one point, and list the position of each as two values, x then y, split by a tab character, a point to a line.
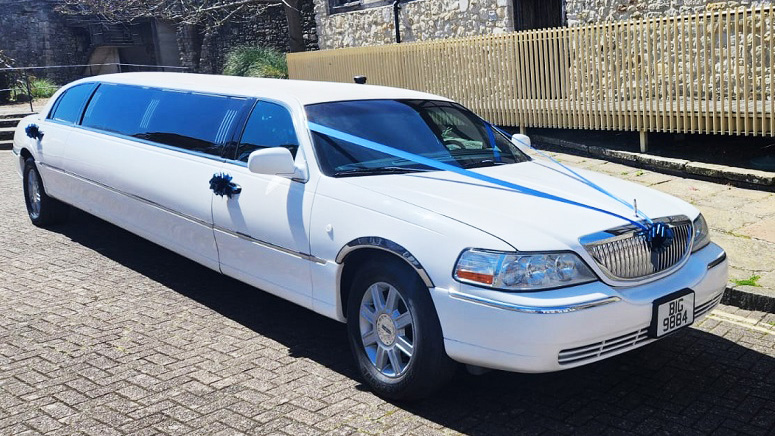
243	236
249	238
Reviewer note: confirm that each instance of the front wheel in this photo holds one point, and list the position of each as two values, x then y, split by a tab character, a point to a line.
42	209
394	332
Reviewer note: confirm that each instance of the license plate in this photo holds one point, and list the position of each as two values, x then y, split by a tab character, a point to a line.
672	312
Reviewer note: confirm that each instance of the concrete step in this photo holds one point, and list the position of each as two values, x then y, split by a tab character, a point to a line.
9	122
6	133
6	145
17	115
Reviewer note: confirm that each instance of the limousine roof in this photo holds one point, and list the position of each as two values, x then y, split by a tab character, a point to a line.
304	91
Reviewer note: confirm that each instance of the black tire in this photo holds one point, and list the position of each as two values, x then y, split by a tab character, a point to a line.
429	368
46	211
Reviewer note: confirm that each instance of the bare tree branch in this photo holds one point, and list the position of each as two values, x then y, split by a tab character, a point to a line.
207	13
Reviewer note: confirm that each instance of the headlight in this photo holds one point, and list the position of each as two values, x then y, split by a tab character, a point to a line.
701	233
521	272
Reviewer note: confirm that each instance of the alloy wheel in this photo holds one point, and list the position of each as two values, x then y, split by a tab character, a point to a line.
387	329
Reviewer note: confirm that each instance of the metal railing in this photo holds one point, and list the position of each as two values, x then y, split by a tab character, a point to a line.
23	83
709	72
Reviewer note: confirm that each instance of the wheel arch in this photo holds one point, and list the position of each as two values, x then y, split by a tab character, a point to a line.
360	250
24	154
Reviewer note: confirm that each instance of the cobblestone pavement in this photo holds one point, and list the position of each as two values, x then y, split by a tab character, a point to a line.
104	333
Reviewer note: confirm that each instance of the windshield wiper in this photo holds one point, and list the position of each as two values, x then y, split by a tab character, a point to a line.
483	163
379	170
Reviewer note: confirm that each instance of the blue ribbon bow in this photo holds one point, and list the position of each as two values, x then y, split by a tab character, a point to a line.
221	185
33	131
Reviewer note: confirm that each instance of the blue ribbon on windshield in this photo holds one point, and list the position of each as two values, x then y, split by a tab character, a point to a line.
491	136
382	148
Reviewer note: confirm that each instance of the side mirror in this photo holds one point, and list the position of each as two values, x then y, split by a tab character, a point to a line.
272	161
520	139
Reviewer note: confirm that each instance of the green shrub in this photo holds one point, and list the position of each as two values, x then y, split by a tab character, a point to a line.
256	62
40	88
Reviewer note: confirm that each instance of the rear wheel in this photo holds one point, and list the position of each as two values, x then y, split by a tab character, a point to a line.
394	332
42	209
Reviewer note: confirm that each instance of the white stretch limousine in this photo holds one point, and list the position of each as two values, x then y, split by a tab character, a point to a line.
434	236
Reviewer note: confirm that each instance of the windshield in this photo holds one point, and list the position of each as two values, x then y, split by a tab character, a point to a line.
440	130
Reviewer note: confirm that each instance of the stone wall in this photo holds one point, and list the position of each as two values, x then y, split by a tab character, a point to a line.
206	53
33	34
420	20
592	11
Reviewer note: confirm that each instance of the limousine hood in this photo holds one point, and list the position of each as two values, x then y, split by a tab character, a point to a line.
527	222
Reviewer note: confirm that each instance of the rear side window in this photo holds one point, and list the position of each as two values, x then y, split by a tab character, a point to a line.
70	104
187	120
269	125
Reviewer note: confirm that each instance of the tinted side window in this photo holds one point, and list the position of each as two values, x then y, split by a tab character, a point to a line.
70	104
120	109
192	121
269	125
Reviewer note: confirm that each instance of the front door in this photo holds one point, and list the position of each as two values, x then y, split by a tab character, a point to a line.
262	232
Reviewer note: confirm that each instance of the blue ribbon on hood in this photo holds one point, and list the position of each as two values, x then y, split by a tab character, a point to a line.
659	235
579	177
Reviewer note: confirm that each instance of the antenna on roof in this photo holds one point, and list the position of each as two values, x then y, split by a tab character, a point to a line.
359	79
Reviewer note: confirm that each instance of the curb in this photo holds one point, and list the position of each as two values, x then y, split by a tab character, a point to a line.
718	173
748	298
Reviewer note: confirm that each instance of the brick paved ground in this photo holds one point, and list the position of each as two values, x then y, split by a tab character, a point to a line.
103	333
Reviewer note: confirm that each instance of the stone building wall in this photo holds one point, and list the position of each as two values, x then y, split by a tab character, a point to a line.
419	20
268	29
593	11
32	34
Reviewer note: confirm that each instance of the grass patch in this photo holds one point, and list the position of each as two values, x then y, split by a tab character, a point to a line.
256	62
738	235
750	281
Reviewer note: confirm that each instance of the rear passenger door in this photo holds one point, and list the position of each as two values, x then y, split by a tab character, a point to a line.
149	154
57	127
263	232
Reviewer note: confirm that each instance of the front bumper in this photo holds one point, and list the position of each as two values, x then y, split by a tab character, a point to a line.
563	328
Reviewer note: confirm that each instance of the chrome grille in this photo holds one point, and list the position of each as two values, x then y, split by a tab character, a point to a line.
624	254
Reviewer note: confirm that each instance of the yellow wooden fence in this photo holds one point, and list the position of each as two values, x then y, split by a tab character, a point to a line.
709	72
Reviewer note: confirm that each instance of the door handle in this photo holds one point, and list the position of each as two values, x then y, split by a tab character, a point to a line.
222	185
